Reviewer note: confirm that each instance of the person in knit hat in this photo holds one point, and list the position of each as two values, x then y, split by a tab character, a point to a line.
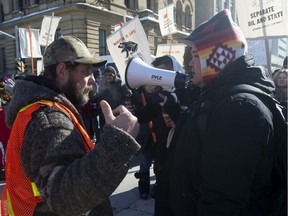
218	41
221	155
114	91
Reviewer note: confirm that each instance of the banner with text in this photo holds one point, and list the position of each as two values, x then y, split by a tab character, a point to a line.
127	42
25	45
48	29
263	18
176	50
166	20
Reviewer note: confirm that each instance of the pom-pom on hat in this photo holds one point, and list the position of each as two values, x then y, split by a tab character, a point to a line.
219	41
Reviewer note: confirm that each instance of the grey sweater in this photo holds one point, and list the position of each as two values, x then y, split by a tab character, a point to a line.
70	181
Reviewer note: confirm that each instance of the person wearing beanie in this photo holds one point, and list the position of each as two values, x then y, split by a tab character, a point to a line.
110	74
280	78
221	155
113	91
285	63
91	110
156	125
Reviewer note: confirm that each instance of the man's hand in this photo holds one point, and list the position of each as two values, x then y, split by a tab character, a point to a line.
120	117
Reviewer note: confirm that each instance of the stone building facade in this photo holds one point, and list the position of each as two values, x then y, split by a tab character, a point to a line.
90	20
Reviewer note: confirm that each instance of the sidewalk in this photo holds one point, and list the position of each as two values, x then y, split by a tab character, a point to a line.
126	201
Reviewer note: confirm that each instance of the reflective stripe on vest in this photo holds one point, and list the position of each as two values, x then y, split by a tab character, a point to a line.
20	195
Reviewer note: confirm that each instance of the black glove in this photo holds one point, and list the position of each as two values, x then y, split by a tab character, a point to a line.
169	103
141	102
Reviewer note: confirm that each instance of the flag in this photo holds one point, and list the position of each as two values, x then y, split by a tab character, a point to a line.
176	50
48	29
258	18
24	40
127	42
166	20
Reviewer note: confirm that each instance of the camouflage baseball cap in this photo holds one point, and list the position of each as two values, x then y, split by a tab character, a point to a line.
70	49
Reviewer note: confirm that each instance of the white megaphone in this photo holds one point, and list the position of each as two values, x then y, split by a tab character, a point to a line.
138	73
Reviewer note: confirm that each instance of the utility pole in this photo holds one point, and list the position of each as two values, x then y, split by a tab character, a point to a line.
17	43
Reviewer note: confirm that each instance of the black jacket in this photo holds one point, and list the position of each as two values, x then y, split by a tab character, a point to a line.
225	168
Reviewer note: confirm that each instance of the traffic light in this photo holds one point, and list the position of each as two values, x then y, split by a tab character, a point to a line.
21	67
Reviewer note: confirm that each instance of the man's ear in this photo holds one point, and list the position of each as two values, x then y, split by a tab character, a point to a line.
61	71
62	75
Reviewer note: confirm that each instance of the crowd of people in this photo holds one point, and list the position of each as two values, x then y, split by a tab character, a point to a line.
74	129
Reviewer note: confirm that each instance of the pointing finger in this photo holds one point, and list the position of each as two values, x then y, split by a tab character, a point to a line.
107	112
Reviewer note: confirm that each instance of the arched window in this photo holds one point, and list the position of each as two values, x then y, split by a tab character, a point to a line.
131	4
1	13
179	13
188	17
152	5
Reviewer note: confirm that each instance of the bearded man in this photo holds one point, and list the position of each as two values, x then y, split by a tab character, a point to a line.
53	168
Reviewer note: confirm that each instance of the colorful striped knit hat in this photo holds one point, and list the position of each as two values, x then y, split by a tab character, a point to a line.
219	41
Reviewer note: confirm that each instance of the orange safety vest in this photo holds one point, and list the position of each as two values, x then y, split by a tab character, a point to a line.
20	195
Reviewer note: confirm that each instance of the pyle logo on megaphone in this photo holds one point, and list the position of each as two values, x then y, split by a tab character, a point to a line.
138	73
156	77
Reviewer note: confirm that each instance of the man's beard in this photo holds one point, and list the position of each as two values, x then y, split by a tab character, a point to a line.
77	96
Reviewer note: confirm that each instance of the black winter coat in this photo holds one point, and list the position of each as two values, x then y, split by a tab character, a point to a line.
225	168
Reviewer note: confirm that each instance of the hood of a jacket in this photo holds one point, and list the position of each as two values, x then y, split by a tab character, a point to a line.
243	71
30	90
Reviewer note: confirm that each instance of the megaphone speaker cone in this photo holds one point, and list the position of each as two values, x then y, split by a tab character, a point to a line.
138	73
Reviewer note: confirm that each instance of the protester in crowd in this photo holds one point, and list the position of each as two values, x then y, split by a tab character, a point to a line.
160	124
113	90
146	157
6	91
53	168
91	110
280	80
221	156
4	137
285	62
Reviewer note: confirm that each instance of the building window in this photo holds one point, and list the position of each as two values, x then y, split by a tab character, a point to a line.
128	3
17	5
58	33
1	13
219	6
35	2
150	5
102	42
179	13
131	4
226	5
188	18
2	61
